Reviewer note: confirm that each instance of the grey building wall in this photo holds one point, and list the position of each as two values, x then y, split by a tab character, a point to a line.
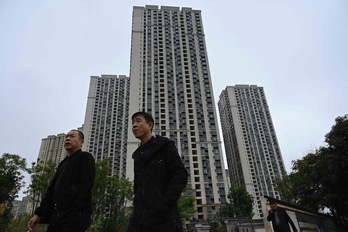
252	150
52	148
106	120
20	207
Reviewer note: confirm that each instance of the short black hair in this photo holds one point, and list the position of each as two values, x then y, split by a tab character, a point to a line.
148	117
81	135
272	202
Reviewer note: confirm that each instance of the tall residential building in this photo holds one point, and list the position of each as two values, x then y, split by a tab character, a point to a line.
252	150
106	121
20	207
170	78
52	148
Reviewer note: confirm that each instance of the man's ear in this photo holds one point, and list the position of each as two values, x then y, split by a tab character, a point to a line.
151	124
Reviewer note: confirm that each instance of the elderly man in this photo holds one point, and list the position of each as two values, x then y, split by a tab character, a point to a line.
159	178
67	205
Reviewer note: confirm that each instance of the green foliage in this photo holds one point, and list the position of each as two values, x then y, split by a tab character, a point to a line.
303	186
240	203
11	181
319	180
20	224
11	176
111	197
337	166
216	226
41	176
285	188
186	205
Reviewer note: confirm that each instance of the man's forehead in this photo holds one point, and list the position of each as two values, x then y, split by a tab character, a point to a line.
138	117
72	132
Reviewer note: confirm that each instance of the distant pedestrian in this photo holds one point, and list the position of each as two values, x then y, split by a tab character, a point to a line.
159	178
67	205
280	219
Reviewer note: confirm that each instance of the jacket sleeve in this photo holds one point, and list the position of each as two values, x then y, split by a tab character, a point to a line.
177	174
46	204
84	189
270	216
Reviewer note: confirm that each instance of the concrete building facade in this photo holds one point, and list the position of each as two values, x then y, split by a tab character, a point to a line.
106	121
52	148
252	150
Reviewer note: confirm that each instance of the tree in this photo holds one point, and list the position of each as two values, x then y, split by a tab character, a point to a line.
286	188
21	223
186	205
319	175
111	198
11	180
41	176
240	205
337	167
304	185
319	179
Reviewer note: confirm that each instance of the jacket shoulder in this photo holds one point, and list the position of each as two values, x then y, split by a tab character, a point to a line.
87	153
83	156
163	140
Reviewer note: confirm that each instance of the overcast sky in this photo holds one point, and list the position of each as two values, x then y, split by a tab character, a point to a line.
297	50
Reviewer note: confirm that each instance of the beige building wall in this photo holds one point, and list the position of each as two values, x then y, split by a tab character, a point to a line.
52	148
252	150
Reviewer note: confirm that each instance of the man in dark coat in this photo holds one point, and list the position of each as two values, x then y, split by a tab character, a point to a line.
159	178
280	219
67	205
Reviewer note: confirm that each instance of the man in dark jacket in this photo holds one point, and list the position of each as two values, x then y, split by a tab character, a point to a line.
280	219
67	205
159	178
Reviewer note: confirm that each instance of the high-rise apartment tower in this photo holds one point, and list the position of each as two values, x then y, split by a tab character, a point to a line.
170	78
52	149
252	150
106	121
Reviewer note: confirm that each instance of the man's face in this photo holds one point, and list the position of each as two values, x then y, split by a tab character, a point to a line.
72	142
140	127
274	206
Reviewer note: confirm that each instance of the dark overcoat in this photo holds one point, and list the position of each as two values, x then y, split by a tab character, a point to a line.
284	218
69	194
159	179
